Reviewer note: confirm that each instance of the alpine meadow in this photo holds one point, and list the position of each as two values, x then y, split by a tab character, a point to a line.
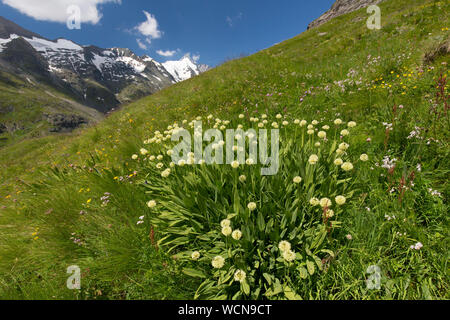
357	210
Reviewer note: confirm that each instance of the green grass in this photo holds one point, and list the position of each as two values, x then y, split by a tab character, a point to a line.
47	182
24	104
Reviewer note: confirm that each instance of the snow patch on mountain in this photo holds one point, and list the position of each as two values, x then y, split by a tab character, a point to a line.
138	67
182	69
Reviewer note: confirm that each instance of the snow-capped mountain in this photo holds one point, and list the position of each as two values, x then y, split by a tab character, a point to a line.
101	78
184	69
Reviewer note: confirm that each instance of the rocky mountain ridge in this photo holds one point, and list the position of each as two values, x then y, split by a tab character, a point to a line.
99	78
341	7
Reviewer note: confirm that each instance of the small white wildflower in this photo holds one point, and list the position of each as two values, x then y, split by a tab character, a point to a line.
239	276
218	262
297	180
251	206
195	255
236	235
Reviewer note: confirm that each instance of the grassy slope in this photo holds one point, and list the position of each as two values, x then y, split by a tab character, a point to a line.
119	261
23	105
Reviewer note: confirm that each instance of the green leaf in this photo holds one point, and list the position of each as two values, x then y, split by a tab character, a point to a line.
245	287
194	273
260	222
269	226
318	262
237	200
290	294
331	253
303	273
268	278
310	266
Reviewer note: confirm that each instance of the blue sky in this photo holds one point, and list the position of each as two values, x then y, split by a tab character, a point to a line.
212	30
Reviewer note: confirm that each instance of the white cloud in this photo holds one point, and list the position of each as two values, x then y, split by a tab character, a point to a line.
141	44
167	53
232	21
149	28
195	57
56	10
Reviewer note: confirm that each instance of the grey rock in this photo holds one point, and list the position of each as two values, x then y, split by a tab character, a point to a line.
65	122
341	7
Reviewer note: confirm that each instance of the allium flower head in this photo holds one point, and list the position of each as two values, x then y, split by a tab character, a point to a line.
313	159
297	180
236	235
165	173
195	255
251	206
143	151
347	166
329	214
338	162
226	231
343	146
364	157
325	203
151	204
249	162
340	200
239	276
225	223
284	246
314	202
218	262
289	256
351	124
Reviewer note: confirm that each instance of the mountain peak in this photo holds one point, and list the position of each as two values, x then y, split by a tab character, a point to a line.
184	68
8	28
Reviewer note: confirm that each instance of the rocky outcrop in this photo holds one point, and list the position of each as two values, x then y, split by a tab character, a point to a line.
64	122
8	27
22	56
341	7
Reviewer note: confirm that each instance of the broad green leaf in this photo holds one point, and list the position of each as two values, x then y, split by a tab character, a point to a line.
290	294
260	222
303	273
310	266
194	273
245	287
